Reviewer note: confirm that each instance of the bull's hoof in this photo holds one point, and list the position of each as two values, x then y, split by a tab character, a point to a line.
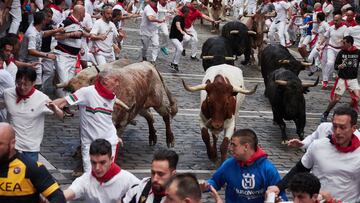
170	141
171	144
212	155
284	142
152	141
133	122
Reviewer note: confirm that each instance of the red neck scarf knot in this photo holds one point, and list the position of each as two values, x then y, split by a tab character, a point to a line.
55	7
257	155
355	143
113	170
23	97
9	60
154	8
103	91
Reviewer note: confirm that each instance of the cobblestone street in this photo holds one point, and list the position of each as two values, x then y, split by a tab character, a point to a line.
62	137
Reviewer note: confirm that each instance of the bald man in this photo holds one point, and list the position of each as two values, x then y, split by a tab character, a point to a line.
22	179
68	47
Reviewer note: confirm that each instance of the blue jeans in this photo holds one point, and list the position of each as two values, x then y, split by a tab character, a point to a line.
32	155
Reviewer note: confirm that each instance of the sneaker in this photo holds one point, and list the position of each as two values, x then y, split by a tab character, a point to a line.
153	63
324	117
174	67
194	58
183	53
144	59
164	50
324	84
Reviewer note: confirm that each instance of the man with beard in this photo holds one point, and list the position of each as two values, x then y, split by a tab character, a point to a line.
152	190
103	34
22	179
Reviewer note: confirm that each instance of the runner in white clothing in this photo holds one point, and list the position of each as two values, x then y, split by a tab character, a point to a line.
354	31
334	160
106	183
328	9
104	34
96	104
6	81
149	30
283	13
164	13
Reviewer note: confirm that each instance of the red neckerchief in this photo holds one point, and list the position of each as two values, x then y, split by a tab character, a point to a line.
121	4
113	170
318	10
352	95
257	155
9	60
164	4
350	22
55	7
355	143
154	8
103	91
341	24
23	97
73	19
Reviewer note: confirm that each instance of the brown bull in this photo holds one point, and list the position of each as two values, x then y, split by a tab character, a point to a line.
140	87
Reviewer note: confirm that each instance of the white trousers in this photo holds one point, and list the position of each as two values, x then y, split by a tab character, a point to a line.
15	13
164	35
193	40
238	11
154	40
280	27
65	69
48	73
331	54
104	57
178	49
85	152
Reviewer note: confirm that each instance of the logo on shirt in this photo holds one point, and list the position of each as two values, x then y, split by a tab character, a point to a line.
17	170
248	181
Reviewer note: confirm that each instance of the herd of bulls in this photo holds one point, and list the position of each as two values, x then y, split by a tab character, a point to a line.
222	89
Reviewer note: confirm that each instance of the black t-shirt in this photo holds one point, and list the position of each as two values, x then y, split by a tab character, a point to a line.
351	60
174	32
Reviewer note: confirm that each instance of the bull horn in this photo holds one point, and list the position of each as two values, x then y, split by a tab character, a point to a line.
250	32
193	88
207	57
61	85
234	32
121	103
307	64
244	91
310	84
229	58
284	61
281	82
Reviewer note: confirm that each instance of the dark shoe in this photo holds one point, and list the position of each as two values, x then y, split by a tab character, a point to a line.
183	53
67	112
324	85
144	59
194	58
174	67
324	117
164	50
153	63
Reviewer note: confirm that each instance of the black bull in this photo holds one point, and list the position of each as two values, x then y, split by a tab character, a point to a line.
275	56
285	92
235	40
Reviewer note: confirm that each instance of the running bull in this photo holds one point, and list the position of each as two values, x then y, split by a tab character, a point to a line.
275	56
140	87
223	93
286	95
234	41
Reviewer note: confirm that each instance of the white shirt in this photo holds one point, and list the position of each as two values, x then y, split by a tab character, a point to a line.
6	81
322	131
101	27
162	11
95	115
119	7
57	17
335	36
27	117
338	172
32	40
88	187
12	69
355	33
281	10
137	191
328	9
148	28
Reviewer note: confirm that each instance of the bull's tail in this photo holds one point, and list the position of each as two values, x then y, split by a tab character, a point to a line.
173	104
